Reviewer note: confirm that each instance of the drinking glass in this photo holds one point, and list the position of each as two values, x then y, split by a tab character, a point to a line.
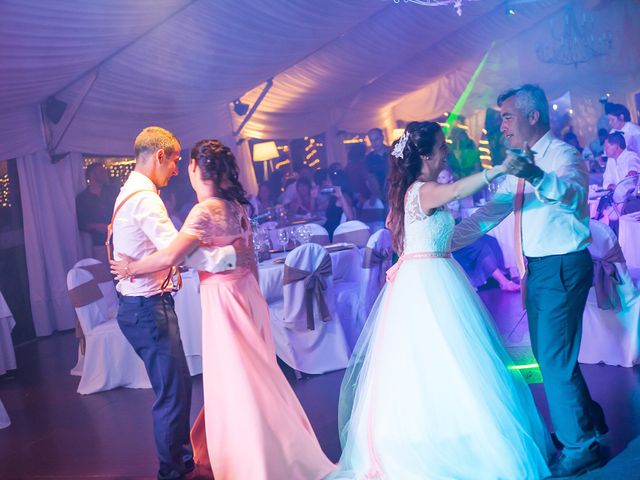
283	237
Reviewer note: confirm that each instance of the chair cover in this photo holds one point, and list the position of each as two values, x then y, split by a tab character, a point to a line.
7	353
189	312
610	335
354	231
109	359
310	341
377	260
101	274
5	421
319	234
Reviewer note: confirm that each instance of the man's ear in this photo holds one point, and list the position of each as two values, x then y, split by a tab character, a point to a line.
161	156
534	117
192	165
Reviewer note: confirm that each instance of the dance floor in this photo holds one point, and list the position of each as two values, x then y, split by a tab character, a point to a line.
59	434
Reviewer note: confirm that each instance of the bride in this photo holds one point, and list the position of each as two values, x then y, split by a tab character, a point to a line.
427	394
252	425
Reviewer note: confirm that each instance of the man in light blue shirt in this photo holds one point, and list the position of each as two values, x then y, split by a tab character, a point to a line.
555	236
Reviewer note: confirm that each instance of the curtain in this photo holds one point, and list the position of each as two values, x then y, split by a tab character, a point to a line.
52	241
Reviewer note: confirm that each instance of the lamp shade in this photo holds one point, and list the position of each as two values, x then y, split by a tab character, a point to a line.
265	151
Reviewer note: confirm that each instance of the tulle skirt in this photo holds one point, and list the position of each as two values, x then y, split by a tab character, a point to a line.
428	393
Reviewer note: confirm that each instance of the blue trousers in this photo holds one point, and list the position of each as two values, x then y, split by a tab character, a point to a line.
557	288
151	327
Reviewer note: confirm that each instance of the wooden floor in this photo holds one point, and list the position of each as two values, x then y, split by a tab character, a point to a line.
59	434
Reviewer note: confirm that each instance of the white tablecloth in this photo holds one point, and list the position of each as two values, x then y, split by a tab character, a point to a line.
346	266
629	238
7	353
189	315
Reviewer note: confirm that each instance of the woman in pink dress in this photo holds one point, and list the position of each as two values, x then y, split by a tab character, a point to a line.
254	427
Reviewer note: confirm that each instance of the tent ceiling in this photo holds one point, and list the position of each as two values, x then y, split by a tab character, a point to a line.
178	63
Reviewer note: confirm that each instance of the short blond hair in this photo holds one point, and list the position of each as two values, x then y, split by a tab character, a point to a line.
152	139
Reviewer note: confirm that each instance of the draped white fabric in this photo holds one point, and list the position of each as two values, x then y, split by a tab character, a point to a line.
336	64
51	237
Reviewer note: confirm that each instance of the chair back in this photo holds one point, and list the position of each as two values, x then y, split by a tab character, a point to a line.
319	234
613	285
87	299
103	277
307	287
354	231
377	260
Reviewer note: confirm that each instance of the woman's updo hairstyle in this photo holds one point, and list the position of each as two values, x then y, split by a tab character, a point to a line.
218	164
405	167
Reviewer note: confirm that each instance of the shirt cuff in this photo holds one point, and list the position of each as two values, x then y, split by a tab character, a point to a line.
228	256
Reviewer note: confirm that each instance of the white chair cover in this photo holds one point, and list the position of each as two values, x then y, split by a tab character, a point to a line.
377	260
319	234
189	312
5	421
316	351
354	231
7	353
611	336
109	360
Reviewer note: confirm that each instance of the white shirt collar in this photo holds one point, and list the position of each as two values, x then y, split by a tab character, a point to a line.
141	182
543	143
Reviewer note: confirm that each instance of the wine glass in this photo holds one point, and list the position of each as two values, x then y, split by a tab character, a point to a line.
283	237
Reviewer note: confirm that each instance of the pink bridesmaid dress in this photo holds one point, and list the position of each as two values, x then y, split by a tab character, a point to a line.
254	427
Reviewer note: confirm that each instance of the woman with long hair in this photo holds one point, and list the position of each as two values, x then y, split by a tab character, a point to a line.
254	426
428	392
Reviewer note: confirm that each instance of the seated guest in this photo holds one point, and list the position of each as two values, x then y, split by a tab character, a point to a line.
333	199
572	139
483	258
94	207
373	210
304	202
595	148
620	121
260	203
356	170
377	159
621	162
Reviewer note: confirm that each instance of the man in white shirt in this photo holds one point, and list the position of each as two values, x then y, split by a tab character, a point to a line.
620	121
146	314
621	163
555	235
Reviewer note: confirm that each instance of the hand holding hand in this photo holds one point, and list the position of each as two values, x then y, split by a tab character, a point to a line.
523	166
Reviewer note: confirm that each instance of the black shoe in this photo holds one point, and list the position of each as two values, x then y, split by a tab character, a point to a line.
590	459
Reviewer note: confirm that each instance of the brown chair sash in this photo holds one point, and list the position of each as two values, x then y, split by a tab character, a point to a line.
358	237
85	294
315	284
319	239
99	271
606	278
373	258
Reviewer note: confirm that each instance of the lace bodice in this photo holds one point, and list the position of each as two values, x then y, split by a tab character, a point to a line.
424	233
216	222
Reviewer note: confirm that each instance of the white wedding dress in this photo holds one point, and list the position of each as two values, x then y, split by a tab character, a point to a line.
427	394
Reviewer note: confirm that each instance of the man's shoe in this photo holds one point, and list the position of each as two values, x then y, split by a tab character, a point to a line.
566	466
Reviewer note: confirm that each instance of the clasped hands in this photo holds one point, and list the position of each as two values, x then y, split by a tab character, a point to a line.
523	166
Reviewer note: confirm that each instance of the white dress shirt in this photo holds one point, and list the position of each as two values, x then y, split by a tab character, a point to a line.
142	227
555	214
619	168
631	133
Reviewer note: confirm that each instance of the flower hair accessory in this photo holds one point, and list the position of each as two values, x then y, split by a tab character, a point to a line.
399	147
